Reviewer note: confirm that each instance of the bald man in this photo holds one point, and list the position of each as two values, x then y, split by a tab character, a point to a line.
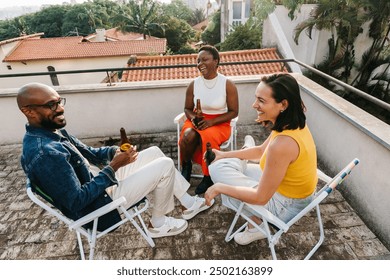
60	165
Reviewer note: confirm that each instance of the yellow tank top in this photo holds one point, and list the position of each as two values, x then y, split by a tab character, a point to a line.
301	177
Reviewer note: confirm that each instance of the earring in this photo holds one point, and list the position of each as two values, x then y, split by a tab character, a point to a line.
281	111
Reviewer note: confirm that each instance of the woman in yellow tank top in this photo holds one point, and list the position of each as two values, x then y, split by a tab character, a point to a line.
286	177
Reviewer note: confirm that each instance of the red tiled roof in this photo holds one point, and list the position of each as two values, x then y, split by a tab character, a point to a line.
201	25
192	72
73	47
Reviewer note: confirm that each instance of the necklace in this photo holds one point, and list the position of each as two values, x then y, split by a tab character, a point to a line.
210	84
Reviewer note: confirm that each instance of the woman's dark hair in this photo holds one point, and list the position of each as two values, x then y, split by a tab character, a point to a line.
214	52
284	86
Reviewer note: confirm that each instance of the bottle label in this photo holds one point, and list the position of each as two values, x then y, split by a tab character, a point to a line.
124	147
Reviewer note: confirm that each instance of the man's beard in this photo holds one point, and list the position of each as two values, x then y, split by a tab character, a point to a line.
51	125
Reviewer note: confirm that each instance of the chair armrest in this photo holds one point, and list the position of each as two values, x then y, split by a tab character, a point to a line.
322	176
234	121
180	118
98	212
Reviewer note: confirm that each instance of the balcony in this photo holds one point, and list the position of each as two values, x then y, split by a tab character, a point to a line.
355	217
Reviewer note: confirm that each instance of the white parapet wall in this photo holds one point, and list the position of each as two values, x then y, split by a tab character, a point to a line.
99	110
343	132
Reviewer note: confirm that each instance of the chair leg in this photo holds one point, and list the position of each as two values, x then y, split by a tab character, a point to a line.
322	235
229	234
272	240
144	230
92	240
178	147
234	141
265	229
80	242
272	248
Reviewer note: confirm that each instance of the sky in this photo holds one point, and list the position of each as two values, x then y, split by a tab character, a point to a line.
10	3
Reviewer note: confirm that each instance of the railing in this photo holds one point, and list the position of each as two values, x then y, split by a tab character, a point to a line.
349	88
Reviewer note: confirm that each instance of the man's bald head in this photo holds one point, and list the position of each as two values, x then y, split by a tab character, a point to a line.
33	93
35	99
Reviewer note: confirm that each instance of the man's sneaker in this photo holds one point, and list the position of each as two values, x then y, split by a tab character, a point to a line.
198	206
248	142
246	237
204	185
171	227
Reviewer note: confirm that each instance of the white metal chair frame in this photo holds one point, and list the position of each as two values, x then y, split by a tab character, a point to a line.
269	219
232	141
93	235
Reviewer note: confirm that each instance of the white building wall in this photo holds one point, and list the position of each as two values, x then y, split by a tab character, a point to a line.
5	49
310	51
61	65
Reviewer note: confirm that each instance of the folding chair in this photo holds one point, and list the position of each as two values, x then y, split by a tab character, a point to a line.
231	142
94	234
281	227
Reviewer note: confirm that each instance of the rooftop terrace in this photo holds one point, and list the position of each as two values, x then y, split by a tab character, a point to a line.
356	218
27	232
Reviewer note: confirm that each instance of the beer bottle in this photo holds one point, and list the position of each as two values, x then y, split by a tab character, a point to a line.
198	113
125	143
210	155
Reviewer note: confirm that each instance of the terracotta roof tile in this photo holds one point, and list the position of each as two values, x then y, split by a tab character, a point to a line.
192	72
201	25
73	47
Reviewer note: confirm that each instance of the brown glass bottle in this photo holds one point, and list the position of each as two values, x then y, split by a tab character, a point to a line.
198	113
210	155
125	143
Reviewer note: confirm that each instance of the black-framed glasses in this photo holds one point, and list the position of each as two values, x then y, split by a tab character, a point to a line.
52	105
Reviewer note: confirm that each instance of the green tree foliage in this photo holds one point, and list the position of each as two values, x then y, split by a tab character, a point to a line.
142	16
198	16
243	37
139	16
62	20
345	20
48	20
179	10
212	34
88	16
12	28
178	33
76	21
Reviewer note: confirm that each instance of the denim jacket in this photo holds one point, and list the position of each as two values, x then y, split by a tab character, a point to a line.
59	164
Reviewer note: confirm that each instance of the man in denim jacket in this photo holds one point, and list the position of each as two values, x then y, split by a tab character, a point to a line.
60	165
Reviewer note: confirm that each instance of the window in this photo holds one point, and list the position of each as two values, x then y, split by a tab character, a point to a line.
248	8
237	10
